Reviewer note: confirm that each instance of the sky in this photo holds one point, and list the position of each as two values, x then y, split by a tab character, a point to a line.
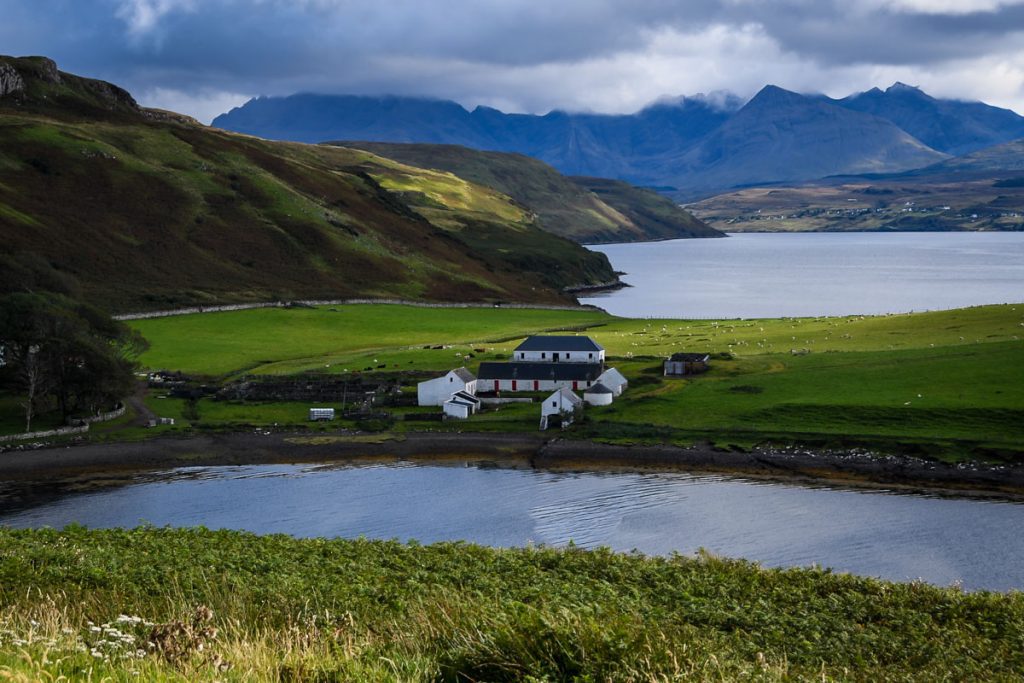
203	57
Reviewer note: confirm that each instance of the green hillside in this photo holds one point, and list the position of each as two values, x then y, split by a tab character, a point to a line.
587	210
149	209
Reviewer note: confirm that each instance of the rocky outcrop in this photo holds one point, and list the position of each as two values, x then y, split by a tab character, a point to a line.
10	80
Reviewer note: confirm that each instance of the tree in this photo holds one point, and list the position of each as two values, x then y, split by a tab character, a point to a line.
66	352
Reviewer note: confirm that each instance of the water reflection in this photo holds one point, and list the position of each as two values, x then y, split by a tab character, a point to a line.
874	533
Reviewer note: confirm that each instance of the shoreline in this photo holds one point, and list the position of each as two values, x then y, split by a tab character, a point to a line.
850	469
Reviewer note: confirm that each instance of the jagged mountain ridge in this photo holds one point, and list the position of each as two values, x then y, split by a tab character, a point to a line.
688	147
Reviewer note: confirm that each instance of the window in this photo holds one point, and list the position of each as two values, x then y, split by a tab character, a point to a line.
590	355
543	354
554	404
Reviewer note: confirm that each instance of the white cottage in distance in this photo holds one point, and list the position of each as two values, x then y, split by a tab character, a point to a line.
435	392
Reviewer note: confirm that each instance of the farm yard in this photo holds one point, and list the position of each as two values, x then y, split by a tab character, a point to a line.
947	383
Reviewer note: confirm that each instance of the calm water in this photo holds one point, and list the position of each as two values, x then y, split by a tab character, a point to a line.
771	275
881	534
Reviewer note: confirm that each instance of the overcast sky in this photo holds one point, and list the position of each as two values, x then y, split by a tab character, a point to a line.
202	57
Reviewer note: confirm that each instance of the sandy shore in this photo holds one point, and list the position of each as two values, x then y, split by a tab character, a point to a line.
856	468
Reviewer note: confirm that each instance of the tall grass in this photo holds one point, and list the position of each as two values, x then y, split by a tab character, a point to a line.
161	604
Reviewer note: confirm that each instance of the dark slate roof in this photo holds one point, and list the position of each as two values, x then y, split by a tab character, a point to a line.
599	389
464	374
560	342
463	396
689	357
580	372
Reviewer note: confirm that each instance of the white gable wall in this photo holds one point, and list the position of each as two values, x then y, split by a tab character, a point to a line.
614	380
435	392
560	402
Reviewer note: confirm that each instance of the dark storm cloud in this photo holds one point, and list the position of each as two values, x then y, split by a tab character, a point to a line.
531	54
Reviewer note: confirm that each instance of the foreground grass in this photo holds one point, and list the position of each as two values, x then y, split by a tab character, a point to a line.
86	604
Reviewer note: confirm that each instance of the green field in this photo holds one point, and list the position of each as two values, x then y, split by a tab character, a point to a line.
276	340
192	604
944	384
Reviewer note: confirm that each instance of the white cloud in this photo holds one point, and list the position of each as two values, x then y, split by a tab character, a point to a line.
142	16
952	7
203	105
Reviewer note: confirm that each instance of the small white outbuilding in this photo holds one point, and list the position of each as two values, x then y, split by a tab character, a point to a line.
434	392
614	380
563	404
598	395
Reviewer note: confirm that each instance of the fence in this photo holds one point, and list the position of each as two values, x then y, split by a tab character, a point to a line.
341	302
80	428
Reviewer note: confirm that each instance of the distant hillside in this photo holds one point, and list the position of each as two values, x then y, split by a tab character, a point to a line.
592	211
149	209
691	147
950	126
997	160
661	217
983	190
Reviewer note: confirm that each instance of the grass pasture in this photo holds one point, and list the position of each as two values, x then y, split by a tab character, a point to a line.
228	606
945	384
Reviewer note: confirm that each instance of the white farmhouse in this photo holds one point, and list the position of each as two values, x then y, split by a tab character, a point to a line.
563	404
435	392
614	380
559	349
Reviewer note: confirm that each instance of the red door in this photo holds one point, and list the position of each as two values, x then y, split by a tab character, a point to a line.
513	385
536	385
575	385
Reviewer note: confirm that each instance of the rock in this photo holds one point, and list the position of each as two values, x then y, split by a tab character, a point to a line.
10	80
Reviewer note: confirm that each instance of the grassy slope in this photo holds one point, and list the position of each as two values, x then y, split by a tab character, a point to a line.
151	210
288	609
564	206
660	217
951	380
227	343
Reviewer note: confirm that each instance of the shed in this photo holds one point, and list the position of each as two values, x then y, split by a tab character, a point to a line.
562	404
457	410
469	399
679	364
614	380
599	395
435	392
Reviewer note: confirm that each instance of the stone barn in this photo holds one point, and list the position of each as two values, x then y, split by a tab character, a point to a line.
681	364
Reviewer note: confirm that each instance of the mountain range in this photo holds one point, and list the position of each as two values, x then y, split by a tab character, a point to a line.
688	147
